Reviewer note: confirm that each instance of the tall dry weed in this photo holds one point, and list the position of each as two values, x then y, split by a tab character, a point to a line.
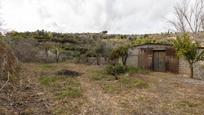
8	61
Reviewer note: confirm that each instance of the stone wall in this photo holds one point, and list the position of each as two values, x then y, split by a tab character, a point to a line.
199	70
93	61
133	57
184	69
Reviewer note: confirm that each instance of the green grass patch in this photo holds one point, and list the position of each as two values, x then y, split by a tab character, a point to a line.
101	76
129	82
111	87
133	70
47	66
62	87
123	84
72	92
49	80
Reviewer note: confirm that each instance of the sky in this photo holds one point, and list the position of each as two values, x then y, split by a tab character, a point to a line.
115	16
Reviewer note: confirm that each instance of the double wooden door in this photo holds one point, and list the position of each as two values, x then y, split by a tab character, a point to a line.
159	61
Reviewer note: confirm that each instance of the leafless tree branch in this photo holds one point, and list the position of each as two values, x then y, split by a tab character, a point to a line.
189	16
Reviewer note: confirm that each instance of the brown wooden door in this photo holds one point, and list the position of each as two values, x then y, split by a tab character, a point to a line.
172	61
159	62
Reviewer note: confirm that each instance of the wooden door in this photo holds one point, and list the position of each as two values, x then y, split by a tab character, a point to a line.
159	61
172	61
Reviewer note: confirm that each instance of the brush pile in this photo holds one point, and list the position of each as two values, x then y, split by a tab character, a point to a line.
8	61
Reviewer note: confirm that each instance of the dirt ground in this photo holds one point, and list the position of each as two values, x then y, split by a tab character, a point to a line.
39	90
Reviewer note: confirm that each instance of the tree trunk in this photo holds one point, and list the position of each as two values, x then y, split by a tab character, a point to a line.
57	59
116	77
78	58
106	59
46	53
191	68
124	60
98	60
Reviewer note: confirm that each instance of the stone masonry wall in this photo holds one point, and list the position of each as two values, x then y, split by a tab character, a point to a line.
198	69
133	57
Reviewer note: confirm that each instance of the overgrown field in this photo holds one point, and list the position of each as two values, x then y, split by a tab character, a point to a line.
73	89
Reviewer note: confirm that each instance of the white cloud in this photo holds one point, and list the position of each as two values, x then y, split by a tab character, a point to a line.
116	16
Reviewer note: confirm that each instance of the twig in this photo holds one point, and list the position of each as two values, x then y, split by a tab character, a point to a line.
6	82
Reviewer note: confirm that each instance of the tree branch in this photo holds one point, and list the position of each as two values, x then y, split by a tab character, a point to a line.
8	77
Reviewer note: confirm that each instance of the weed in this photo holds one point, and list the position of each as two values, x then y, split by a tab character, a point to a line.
101	76
129	82
111	88
47	66
186	103
133	70
64	87
72	92
141	98
47	80
116	69
123	84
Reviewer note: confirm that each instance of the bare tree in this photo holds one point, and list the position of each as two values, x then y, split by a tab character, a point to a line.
202	22
189	16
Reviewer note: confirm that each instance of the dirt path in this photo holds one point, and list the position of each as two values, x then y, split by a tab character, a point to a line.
100	103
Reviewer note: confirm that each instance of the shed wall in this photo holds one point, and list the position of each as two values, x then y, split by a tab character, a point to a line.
133	57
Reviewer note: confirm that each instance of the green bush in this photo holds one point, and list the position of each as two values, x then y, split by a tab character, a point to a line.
150	40
120	52
121	69
116	69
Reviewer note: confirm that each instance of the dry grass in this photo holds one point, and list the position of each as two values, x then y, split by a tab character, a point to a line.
62	87
94	92
139	93
8	61
125	83
65	91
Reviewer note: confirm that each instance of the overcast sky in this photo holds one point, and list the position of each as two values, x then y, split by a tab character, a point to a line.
116	16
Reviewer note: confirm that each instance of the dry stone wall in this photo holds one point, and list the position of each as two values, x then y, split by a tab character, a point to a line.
184	69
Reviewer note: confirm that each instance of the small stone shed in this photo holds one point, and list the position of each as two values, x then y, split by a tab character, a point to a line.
162	58
155	57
